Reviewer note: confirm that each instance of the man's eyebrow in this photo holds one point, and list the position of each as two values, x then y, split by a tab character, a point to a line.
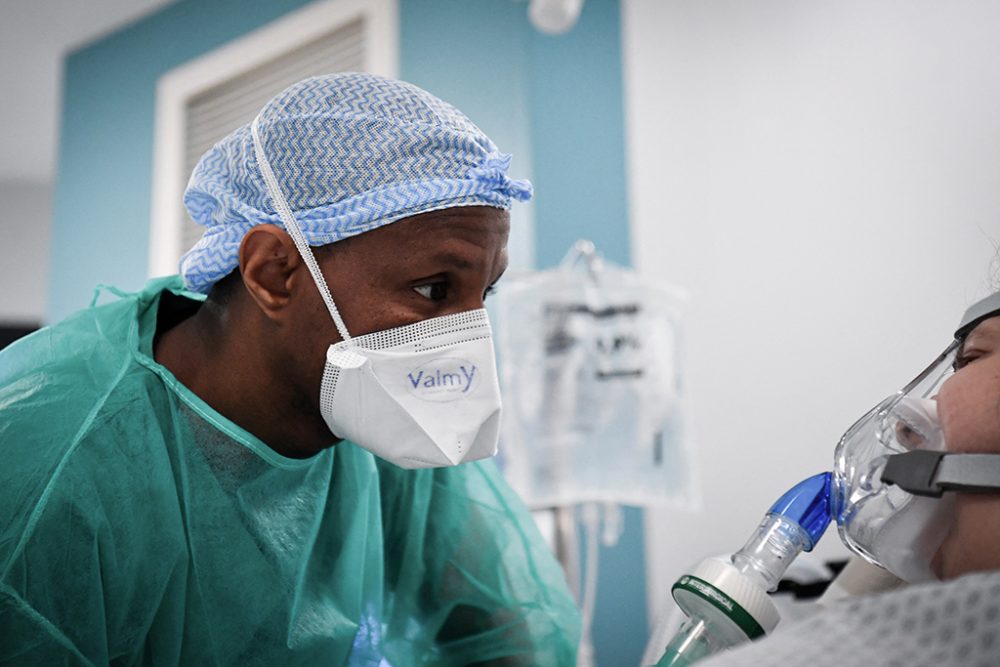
453	260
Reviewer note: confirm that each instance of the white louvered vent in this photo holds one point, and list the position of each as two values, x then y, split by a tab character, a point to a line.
202	102
215	113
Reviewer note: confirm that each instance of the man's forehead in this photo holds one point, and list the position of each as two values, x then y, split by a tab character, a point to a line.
459	238
449	233
462	219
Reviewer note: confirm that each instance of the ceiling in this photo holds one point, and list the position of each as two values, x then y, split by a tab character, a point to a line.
35	35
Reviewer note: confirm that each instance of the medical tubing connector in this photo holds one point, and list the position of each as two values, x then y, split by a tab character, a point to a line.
726	601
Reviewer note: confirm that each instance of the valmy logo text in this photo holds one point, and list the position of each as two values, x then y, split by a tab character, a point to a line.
445	379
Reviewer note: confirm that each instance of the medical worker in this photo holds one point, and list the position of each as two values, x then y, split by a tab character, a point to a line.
920	484
258	462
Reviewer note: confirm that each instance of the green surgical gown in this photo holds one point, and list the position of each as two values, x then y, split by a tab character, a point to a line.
138	525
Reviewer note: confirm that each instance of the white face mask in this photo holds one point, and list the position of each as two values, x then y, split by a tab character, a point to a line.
423	395
420	396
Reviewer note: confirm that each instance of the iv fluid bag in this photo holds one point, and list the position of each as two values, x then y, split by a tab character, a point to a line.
594	407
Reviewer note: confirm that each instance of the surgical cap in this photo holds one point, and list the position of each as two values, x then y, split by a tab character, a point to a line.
351	152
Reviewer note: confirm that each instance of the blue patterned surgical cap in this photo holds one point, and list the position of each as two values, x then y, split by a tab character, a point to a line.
351	152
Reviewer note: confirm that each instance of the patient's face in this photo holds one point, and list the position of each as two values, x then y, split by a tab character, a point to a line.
969	411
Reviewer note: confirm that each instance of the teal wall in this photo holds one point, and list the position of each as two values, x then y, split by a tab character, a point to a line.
476	56
577	126
554	102
566	96
100	226
578	141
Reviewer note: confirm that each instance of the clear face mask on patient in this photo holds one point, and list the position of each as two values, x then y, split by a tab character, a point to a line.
880	521
893	475
423	395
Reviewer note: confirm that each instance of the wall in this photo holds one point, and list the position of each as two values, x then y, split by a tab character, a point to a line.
577	125
100	229
558	100
25	222
477	59
823	177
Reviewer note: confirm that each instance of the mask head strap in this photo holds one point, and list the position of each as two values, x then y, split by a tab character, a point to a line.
924	472
981	310
293	229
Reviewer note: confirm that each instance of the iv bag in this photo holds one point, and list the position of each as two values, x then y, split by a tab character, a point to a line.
594	404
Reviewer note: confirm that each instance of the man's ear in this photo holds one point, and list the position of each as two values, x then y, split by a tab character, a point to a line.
268	262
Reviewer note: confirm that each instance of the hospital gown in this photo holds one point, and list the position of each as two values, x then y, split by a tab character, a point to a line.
138	525
941	624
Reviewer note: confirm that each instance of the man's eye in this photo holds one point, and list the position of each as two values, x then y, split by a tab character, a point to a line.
433	291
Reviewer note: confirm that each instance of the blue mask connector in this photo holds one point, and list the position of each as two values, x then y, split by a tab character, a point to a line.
808	504
793	524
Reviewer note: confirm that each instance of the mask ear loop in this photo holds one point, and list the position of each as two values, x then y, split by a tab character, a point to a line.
292	227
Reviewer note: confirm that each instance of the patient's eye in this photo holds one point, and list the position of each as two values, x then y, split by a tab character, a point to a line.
966	357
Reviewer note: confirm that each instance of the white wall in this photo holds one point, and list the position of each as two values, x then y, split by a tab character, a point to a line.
25	222
824	177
